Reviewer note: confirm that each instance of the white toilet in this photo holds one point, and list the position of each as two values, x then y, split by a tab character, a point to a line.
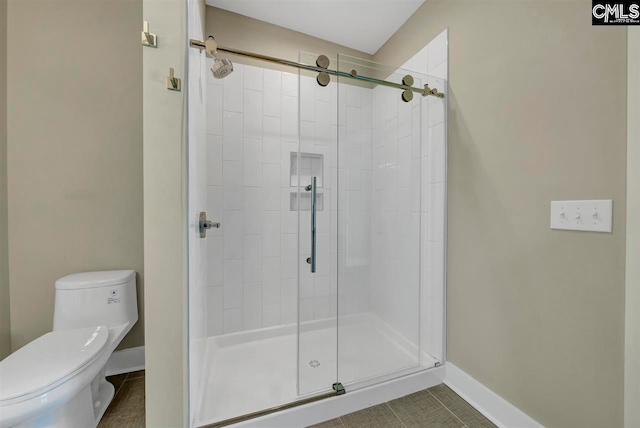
58	380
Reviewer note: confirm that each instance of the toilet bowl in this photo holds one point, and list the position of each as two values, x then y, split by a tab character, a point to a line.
58	380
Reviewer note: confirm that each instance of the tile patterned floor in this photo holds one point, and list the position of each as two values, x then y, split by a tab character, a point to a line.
437	407
127	408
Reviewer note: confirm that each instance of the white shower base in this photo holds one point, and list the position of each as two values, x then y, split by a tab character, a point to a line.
256	370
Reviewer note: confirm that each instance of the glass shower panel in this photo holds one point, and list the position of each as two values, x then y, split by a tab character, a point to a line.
383	293
315	178
434	225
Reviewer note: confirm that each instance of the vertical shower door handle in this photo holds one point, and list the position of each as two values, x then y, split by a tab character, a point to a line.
312	260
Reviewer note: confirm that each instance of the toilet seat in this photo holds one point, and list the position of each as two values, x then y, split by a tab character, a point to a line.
49	361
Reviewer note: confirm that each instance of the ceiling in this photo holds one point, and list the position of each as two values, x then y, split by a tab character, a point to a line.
364	25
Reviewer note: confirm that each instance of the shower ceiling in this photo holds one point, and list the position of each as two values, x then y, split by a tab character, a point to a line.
364	25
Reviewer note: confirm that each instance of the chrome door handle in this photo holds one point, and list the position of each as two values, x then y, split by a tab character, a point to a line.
205	224
312	188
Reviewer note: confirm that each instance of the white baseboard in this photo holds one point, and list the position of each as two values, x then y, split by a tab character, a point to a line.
126	361
491	405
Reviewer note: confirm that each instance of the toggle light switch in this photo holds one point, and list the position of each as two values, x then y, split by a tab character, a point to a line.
592	216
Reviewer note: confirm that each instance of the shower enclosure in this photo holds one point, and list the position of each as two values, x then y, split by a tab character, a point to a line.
326	275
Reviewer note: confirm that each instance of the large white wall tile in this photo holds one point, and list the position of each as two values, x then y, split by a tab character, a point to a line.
214	160
232	319
271	280
214	207
290	84
289	124
288	217
271	315
232	136
232	235
232	88
252	114
232	186
252	306
435	110
271	234
232	288
214	110
214	311
288	301
252	167
272	90
289	256
252	258
253	77
436	154
307	98
436	206
271	140
252	211
271	187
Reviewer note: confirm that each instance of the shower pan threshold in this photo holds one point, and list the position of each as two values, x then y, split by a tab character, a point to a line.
251	371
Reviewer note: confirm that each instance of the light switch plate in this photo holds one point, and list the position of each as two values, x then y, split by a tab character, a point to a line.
591	216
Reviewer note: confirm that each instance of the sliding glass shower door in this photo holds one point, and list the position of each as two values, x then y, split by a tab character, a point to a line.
370	182
317	169
383	250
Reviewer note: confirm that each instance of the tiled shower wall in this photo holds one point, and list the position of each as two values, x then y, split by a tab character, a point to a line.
253	128
409	203
390	151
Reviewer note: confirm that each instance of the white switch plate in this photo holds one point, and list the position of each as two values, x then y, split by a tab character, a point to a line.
592	216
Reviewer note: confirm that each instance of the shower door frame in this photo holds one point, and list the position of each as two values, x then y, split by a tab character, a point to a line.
372	390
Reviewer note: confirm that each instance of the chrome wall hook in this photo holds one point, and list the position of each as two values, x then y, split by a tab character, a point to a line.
148	39
173	83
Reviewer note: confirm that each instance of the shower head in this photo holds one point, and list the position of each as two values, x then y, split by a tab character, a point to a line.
221	67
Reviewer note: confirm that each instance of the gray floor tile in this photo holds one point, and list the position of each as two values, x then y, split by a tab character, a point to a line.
135	375
423	410
117	381
463	410
333	423
380	416
127	408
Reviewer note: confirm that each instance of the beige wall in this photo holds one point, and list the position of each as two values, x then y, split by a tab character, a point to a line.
165	233
632	290
537	112
240	32
5	319
74	151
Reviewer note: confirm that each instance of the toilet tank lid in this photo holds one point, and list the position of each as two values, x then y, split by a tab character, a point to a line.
106	278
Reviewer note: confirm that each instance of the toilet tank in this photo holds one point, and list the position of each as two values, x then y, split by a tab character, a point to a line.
91	299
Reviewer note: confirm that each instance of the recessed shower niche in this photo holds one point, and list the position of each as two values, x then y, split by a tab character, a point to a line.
310	165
